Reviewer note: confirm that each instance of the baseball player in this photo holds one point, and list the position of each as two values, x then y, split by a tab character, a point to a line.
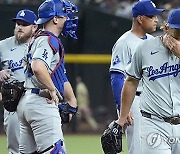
12	51
158	67
40	123
144	21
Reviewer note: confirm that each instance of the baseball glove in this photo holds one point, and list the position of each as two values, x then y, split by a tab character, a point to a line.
111	139
65	110
11	94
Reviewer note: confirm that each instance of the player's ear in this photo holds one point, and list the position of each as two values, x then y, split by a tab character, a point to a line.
139	19
55	20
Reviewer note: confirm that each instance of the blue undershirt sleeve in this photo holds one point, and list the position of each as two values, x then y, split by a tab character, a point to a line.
117	82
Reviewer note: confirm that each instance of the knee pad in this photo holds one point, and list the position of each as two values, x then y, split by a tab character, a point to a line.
58	148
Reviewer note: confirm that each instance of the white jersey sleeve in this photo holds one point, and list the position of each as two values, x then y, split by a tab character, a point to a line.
121	56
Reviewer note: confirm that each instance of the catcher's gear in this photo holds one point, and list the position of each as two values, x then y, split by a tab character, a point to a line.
65	109
11	94
111	139
50	8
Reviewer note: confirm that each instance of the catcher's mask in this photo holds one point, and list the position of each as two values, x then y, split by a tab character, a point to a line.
60	8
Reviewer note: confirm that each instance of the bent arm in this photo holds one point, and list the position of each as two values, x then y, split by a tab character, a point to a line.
42	74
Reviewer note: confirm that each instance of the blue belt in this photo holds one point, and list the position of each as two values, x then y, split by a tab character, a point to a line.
40	92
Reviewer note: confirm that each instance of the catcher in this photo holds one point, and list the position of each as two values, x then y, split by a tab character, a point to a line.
45	70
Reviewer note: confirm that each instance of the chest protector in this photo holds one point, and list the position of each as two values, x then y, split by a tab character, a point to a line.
58	74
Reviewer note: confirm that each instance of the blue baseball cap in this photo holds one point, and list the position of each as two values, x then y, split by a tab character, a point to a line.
50	8
27	16
145	7
174	19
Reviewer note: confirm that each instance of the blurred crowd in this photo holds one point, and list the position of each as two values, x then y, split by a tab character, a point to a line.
123	7
117	7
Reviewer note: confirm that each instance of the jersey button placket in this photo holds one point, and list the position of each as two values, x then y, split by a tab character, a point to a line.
172	92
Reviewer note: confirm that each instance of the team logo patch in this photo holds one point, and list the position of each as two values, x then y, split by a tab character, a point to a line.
22	14
116	60
45	54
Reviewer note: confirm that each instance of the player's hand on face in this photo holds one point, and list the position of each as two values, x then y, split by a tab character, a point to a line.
54	97
167	41
5	74
172	44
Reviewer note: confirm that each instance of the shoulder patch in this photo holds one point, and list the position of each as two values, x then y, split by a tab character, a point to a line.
54	44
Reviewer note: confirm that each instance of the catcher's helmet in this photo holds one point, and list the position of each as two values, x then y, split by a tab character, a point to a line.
50	8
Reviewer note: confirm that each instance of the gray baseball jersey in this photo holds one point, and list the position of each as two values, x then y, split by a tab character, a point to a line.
159	70
123	51
42	51
11	54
